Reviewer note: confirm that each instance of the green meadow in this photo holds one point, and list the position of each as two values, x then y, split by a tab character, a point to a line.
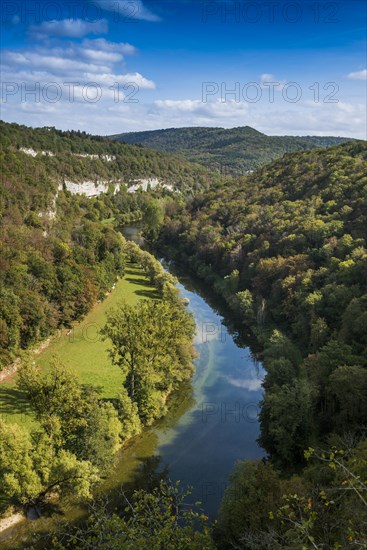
81	349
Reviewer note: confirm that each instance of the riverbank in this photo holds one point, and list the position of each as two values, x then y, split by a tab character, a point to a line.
198	427
81	349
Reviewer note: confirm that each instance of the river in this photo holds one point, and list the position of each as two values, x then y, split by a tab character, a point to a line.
220	425
212	422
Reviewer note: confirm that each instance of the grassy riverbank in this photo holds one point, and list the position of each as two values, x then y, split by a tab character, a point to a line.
81	349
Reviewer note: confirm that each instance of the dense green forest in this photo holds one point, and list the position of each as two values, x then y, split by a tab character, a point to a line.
286	248
107	160
60	254
57	258
234	151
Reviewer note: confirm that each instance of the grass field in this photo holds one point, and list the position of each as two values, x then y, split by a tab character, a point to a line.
82	350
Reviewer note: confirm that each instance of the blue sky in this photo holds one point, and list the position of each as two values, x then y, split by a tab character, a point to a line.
109	66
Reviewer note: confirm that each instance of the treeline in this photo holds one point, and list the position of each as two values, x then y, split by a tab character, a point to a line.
103	159
324	508
57	257
232	151
286	248
157	519
77	434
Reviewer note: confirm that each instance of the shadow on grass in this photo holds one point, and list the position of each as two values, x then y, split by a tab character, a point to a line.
148	294
141	282
132	271
13	401
146	291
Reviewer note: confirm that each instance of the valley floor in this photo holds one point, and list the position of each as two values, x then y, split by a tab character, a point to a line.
81	349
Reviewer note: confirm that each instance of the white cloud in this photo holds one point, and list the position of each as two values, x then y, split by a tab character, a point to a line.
73	85
38	108
100	56
73	28
102	44
269	81
358	75
210	110
51	61
125	10
346	107
266	77
92	55
88	61
309	118
187	105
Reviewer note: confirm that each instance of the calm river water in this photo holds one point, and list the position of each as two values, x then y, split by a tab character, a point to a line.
217	423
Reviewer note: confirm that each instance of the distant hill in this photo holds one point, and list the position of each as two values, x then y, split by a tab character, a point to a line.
79	158
234	151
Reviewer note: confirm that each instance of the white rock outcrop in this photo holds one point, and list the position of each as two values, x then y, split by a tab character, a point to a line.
34	153
90	188
108	158
143	184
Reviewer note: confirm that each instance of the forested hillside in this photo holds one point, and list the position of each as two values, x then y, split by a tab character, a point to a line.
57	257
59	253
286	248
231	151
78	156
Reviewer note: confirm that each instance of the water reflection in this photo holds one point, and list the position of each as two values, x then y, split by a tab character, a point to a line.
221	425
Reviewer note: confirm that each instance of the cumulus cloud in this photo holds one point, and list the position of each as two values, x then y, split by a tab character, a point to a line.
72	85
210	110
56	64
358	75
104	45
80	56
301	118
92	60
72	28
125	10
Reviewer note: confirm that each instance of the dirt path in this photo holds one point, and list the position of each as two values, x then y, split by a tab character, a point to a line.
8	373
10	521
